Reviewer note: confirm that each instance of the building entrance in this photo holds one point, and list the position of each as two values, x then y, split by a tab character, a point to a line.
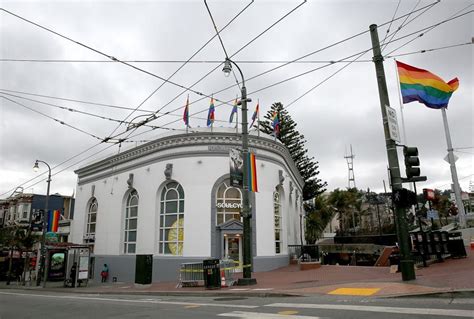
233	248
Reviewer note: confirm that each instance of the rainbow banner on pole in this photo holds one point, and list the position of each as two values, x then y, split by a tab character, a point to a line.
425	87
210	114
53	221
186	113
252	173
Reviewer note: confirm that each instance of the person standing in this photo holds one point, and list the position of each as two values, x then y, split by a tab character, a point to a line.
104	273
72	274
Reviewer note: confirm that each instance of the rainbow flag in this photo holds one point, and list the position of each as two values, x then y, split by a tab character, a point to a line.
255	114
186	113
252	173
53	221
276	123
210	114
425	87
234	111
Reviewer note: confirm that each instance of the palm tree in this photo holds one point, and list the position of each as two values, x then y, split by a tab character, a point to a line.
318	214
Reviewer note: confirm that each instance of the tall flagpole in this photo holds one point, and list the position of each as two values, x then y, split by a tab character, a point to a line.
401	104
405	142
454	174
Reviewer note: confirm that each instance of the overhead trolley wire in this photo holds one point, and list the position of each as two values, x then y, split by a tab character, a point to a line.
65	108
211	71
429	50
454	16
390	25
52	118
75	100
402	25
189	59
106	55
315	69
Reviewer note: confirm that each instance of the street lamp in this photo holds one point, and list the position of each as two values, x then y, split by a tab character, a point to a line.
246	214
43	237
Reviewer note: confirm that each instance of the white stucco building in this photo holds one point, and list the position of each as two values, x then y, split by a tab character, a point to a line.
171	198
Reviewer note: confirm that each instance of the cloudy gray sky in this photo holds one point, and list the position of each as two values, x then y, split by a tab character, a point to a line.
340	112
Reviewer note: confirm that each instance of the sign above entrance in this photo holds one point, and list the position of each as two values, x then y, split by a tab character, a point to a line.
229	205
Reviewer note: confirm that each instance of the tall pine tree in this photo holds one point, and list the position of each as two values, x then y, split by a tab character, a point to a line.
295	142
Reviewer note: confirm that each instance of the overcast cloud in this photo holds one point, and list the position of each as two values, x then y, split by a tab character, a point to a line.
341	112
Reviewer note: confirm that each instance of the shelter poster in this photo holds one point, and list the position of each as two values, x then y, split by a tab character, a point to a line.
236	168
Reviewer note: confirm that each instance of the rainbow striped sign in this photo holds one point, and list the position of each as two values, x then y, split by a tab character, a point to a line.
53	221
252	173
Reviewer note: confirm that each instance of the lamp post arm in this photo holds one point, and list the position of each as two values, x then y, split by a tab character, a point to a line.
240	71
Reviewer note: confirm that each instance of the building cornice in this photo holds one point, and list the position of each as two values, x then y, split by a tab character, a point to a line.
218	144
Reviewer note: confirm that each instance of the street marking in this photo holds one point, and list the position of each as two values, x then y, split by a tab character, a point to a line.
262	289
409	311
354	291
261	315
192	306
132	300
240	289
288	312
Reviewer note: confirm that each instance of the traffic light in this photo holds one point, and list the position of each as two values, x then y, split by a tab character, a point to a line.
411	161
404	198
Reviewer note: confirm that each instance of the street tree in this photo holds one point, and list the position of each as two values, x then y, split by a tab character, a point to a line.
296	144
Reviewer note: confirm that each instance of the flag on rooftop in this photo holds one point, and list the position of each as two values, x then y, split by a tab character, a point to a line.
210	114
275	123
186	113
234	111
255	115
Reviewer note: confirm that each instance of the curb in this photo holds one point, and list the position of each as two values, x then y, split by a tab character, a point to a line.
202	293
451	294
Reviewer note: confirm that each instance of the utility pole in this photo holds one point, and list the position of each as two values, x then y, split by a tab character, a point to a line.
406	261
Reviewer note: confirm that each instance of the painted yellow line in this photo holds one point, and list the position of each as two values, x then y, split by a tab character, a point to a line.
192	306
354	291
288	312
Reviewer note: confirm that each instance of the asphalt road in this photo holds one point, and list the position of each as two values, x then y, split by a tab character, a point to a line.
19	304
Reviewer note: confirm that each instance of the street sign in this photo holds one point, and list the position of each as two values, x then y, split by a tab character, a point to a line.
392	123
433	213
446	158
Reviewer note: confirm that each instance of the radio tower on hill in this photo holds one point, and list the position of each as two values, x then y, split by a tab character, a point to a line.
350	165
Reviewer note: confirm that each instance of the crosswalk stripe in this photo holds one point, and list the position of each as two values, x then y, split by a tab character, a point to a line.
262	315
411	311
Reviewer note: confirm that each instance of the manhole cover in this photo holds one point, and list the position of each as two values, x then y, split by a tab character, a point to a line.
229	299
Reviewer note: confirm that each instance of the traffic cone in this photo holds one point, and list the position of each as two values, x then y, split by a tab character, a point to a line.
223	284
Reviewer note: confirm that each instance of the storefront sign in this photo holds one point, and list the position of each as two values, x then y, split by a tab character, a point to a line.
229	205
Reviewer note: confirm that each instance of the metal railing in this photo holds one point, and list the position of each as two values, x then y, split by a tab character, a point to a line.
303	252
192	274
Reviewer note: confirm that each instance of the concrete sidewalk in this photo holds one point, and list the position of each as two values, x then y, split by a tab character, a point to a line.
452	275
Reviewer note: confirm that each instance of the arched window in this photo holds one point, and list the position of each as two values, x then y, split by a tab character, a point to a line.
131	221
277	218
171	219
91	221
229	203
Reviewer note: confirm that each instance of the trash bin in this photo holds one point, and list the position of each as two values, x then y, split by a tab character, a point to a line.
211	272
456	245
